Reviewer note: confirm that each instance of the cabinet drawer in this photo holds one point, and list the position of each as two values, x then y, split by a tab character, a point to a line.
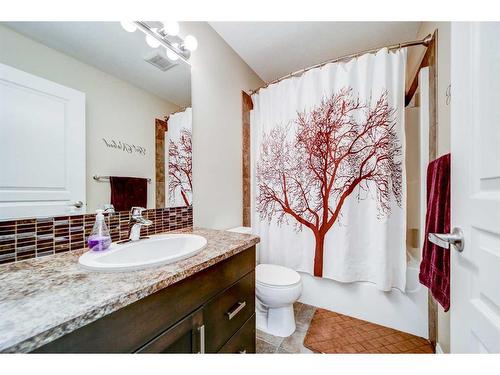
187	336
243	341
228	311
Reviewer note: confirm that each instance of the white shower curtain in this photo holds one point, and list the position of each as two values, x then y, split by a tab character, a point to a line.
328	177
178	152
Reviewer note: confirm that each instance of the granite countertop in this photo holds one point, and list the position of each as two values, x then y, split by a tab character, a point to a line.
45	298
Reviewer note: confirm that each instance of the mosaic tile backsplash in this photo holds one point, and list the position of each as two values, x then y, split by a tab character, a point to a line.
31	238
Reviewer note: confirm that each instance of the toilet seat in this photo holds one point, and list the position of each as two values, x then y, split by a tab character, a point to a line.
274	276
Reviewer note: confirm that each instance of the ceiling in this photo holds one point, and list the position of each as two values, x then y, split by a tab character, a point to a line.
106	46
274	49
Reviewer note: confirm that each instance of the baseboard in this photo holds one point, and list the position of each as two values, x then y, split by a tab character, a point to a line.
439	350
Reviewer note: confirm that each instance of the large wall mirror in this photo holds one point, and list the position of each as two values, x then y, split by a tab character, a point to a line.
91	115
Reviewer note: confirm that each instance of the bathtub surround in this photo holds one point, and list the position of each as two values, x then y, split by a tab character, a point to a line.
246	107
39	237
31	317
356	230
161	127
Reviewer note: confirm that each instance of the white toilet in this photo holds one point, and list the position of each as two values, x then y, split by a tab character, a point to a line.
277	288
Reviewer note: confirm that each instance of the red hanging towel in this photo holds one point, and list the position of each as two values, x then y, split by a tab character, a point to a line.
128	192
435	265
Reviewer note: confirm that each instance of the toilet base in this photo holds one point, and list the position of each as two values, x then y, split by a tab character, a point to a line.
278	321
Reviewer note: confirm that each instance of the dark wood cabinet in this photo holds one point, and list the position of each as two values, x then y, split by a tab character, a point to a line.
211	311
228	311
243	341
186	336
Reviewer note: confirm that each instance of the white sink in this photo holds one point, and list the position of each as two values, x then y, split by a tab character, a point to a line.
154	251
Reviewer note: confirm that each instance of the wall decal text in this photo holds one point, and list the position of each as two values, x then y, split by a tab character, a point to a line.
125	147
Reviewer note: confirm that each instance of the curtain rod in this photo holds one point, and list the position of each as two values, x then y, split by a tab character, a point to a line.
412	43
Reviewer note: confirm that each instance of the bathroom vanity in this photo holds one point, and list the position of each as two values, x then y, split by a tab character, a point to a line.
199	314
203	304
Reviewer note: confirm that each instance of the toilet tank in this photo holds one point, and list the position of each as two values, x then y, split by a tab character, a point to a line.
246	230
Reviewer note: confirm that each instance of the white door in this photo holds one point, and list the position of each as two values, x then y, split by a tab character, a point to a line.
475	188
42	146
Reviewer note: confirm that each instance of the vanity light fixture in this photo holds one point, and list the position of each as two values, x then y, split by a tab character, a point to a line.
166	35
190	43
171	28
171	55
152	41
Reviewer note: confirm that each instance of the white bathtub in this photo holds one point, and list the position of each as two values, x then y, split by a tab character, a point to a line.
412	270
406	312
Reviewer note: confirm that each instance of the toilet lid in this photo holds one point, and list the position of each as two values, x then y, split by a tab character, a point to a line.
272	274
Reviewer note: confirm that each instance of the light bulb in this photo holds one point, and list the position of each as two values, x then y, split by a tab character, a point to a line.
128	26
152	41
171	27
190	43
172	55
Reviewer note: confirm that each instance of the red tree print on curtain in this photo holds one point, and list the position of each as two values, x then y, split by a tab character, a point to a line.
180	167
339	147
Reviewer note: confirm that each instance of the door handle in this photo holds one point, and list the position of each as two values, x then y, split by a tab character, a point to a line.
455	238
238	307
201	330
77	204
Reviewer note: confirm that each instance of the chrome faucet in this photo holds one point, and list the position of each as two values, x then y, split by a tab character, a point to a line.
109	208
136	222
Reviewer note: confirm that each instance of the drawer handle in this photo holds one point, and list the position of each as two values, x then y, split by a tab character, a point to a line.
238	307
201	329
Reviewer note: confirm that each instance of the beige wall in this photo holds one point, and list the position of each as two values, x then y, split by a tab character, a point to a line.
114	109
218	75
443	118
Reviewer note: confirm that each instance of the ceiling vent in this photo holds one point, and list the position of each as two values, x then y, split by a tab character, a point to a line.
159	58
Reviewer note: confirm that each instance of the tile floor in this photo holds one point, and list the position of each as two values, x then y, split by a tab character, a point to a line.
344	333
268	344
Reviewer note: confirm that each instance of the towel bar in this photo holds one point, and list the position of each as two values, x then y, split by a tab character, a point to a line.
106	178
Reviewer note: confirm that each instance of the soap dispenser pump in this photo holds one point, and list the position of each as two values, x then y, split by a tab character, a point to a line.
99	238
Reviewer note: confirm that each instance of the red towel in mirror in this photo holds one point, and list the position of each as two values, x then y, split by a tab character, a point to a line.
435	265
128	192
